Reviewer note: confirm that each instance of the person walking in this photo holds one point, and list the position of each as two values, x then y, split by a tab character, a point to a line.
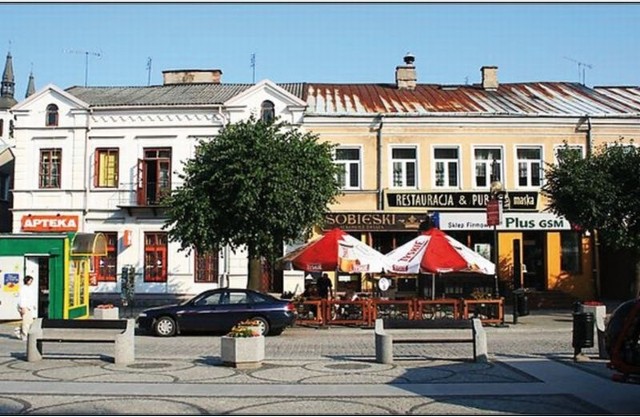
27	306
325	287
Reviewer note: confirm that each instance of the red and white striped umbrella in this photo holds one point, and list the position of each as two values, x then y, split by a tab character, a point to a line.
435	252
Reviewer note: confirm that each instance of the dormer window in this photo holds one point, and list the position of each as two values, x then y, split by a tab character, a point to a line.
52	115
267	111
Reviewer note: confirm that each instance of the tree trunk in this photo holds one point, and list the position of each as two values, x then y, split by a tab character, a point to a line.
255	271
636	284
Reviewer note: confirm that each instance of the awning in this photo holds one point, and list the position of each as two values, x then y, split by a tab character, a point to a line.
6	155
89	244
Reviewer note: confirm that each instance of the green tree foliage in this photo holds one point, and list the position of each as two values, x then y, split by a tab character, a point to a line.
600	193
256	184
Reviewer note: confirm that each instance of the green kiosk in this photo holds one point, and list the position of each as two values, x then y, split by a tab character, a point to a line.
60	265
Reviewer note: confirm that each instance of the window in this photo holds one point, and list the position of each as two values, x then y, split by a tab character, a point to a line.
50	163
11	128
446	167
154	176
404	162
348	159
106	168
529	166
52	115
267	111
1	127
559	151
570	252
484	166
106	267
155	257
206	268
4	187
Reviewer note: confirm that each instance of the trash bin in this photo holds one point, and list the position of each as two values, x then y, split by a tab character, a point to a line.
582	330
522	304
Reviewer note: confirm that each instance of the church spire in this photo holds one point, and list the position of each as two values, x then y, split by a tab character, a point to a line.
31	87
7	87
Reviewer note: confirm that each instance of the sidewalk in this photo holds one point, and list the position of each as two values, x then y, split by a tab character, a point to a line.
319	372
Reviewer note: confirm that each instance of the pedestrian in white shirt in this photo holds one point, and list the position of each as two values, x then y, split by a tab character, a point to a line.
27	305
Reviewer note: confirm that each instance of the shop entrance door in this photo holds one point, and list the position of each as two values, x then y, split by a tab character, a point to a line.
533	260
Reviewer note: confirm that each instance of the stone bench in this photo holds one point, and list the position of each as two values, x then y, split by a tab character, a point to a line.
119	332
385	341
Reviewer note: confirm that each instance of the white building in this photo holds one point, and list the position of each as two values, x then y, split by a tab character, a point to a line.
98	159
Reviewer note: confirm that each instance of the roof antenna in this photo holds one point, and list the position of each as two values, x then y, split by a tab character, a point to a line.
253	65
86	60
581	68
148	71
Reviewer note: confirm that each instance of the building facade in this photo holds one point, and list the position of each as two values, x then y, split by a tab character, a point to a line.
99	159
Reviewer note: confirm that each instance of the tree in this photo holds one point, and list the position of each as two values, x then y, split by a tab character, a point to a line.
600	193
256	184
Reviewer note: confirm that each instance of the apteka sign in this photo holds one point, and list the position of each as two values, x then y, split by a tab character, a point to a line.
49	223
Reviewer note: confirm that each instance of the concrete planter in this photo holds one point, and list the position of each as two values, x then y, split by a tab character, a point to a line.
106	313
242	352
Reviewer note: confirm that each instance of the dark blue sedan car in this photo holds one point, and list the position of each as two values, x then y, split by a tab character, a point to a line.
218	311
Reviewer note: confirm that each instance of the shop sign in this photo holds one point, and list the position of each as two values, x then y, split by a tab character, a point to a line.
49	223
510	221
514	200
374	221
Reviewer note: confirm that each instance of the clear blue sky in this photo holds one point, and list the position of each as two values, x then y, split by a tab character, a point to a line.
357	42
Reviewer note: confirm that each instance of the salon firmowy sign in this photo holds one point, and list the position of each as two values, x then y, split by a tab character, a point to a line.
510	221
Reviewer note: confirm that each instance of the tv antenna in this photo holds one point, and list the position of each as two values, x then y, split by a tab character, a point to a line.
86	60
253	65
582	66
149	71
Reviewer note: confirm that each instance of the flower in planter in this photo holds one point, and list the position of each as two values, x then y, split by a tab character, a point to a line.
243	331
249	323
105	306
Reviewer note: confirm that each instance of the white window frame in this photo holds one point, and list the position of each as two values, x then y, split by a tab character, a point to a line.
348	166
404	162
556	148
434	167
528	162
487	163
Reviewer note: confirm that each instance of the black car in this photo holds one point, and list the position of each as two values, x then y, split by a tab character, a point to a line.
218	311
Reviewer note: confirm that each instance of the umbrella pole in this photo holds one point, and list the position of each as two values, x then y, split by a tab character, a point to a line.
433	286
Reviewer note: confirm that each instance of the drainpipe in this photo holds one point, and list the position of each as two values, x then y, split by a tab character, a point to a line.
589	140
379	164
87	166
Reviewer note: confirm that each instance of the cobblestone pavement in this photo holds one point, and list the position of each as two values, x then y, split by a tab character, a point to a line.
310	371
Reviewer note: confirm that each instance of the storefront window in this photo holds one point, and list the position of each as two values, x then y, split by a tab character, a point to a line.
570	247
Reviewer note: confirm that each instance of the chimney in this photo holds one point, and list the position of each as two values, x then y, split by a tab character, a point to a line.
170	77
406	74
489	78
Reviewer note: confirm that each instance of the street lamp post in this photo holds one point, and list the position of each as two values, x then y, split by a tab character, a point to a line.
494	217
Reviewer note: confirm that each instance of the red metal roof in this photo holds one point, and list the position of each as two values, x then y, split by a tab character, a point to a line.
540	98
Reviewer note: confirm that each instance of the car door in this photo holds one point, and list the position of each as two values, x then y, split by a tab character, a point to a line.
237	309
204	312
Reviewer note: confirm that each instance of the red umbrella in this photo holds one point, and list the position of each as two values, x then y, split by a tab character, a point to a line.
335	250
435	252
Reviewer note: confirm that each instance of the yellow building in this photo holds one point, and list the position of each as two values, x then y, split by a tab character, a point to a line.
410	149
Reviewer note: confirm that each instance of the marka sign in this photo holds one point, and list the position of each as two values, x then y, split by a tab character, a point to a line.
45	223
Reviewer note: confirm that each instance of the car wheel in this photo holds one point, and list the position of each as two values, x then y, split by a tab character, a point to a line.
263	324
164	327
276	332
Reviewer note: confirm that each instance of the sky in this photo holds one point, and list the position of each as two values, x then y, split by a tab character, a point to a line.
110	44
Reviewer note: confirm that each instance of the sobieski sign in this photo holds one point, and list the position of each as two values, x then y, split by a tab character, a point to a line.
516	200
510	221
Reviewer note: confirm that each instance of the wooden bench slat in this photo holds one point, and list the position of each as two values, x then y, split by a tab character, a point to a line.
83	324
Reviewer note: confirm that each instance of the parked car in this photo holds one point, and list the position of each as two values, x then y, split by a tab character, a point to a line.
218	311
